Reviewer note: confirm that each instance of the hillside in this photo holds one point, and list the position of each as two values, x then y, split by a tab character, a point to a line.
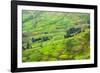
51	36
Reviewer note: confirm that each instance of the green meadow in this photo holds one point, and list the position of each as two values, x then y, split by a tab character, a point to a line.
55	36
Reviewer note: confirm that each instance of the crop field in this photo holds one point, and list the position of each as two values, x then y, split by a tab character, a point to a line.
55	36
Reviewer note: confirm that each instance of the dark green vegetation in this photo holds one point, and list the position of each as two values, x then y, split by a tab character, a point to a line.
51	36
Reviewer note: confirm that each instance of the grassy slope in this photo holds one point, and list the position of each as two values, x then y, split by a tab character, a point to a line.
55	24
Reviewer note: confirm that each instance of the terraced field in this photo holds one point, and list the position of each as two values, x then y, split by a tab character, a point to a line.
54	36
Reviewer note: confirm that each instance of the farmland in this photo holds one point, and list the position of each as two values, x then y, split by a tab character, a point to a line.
55	36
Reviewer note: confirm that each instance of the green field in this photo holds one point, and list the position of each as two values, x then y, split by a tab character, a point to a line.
55	36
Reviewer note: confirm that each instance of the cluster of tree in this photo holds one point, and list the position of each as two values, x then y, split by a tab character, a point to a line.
42	39
71	32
